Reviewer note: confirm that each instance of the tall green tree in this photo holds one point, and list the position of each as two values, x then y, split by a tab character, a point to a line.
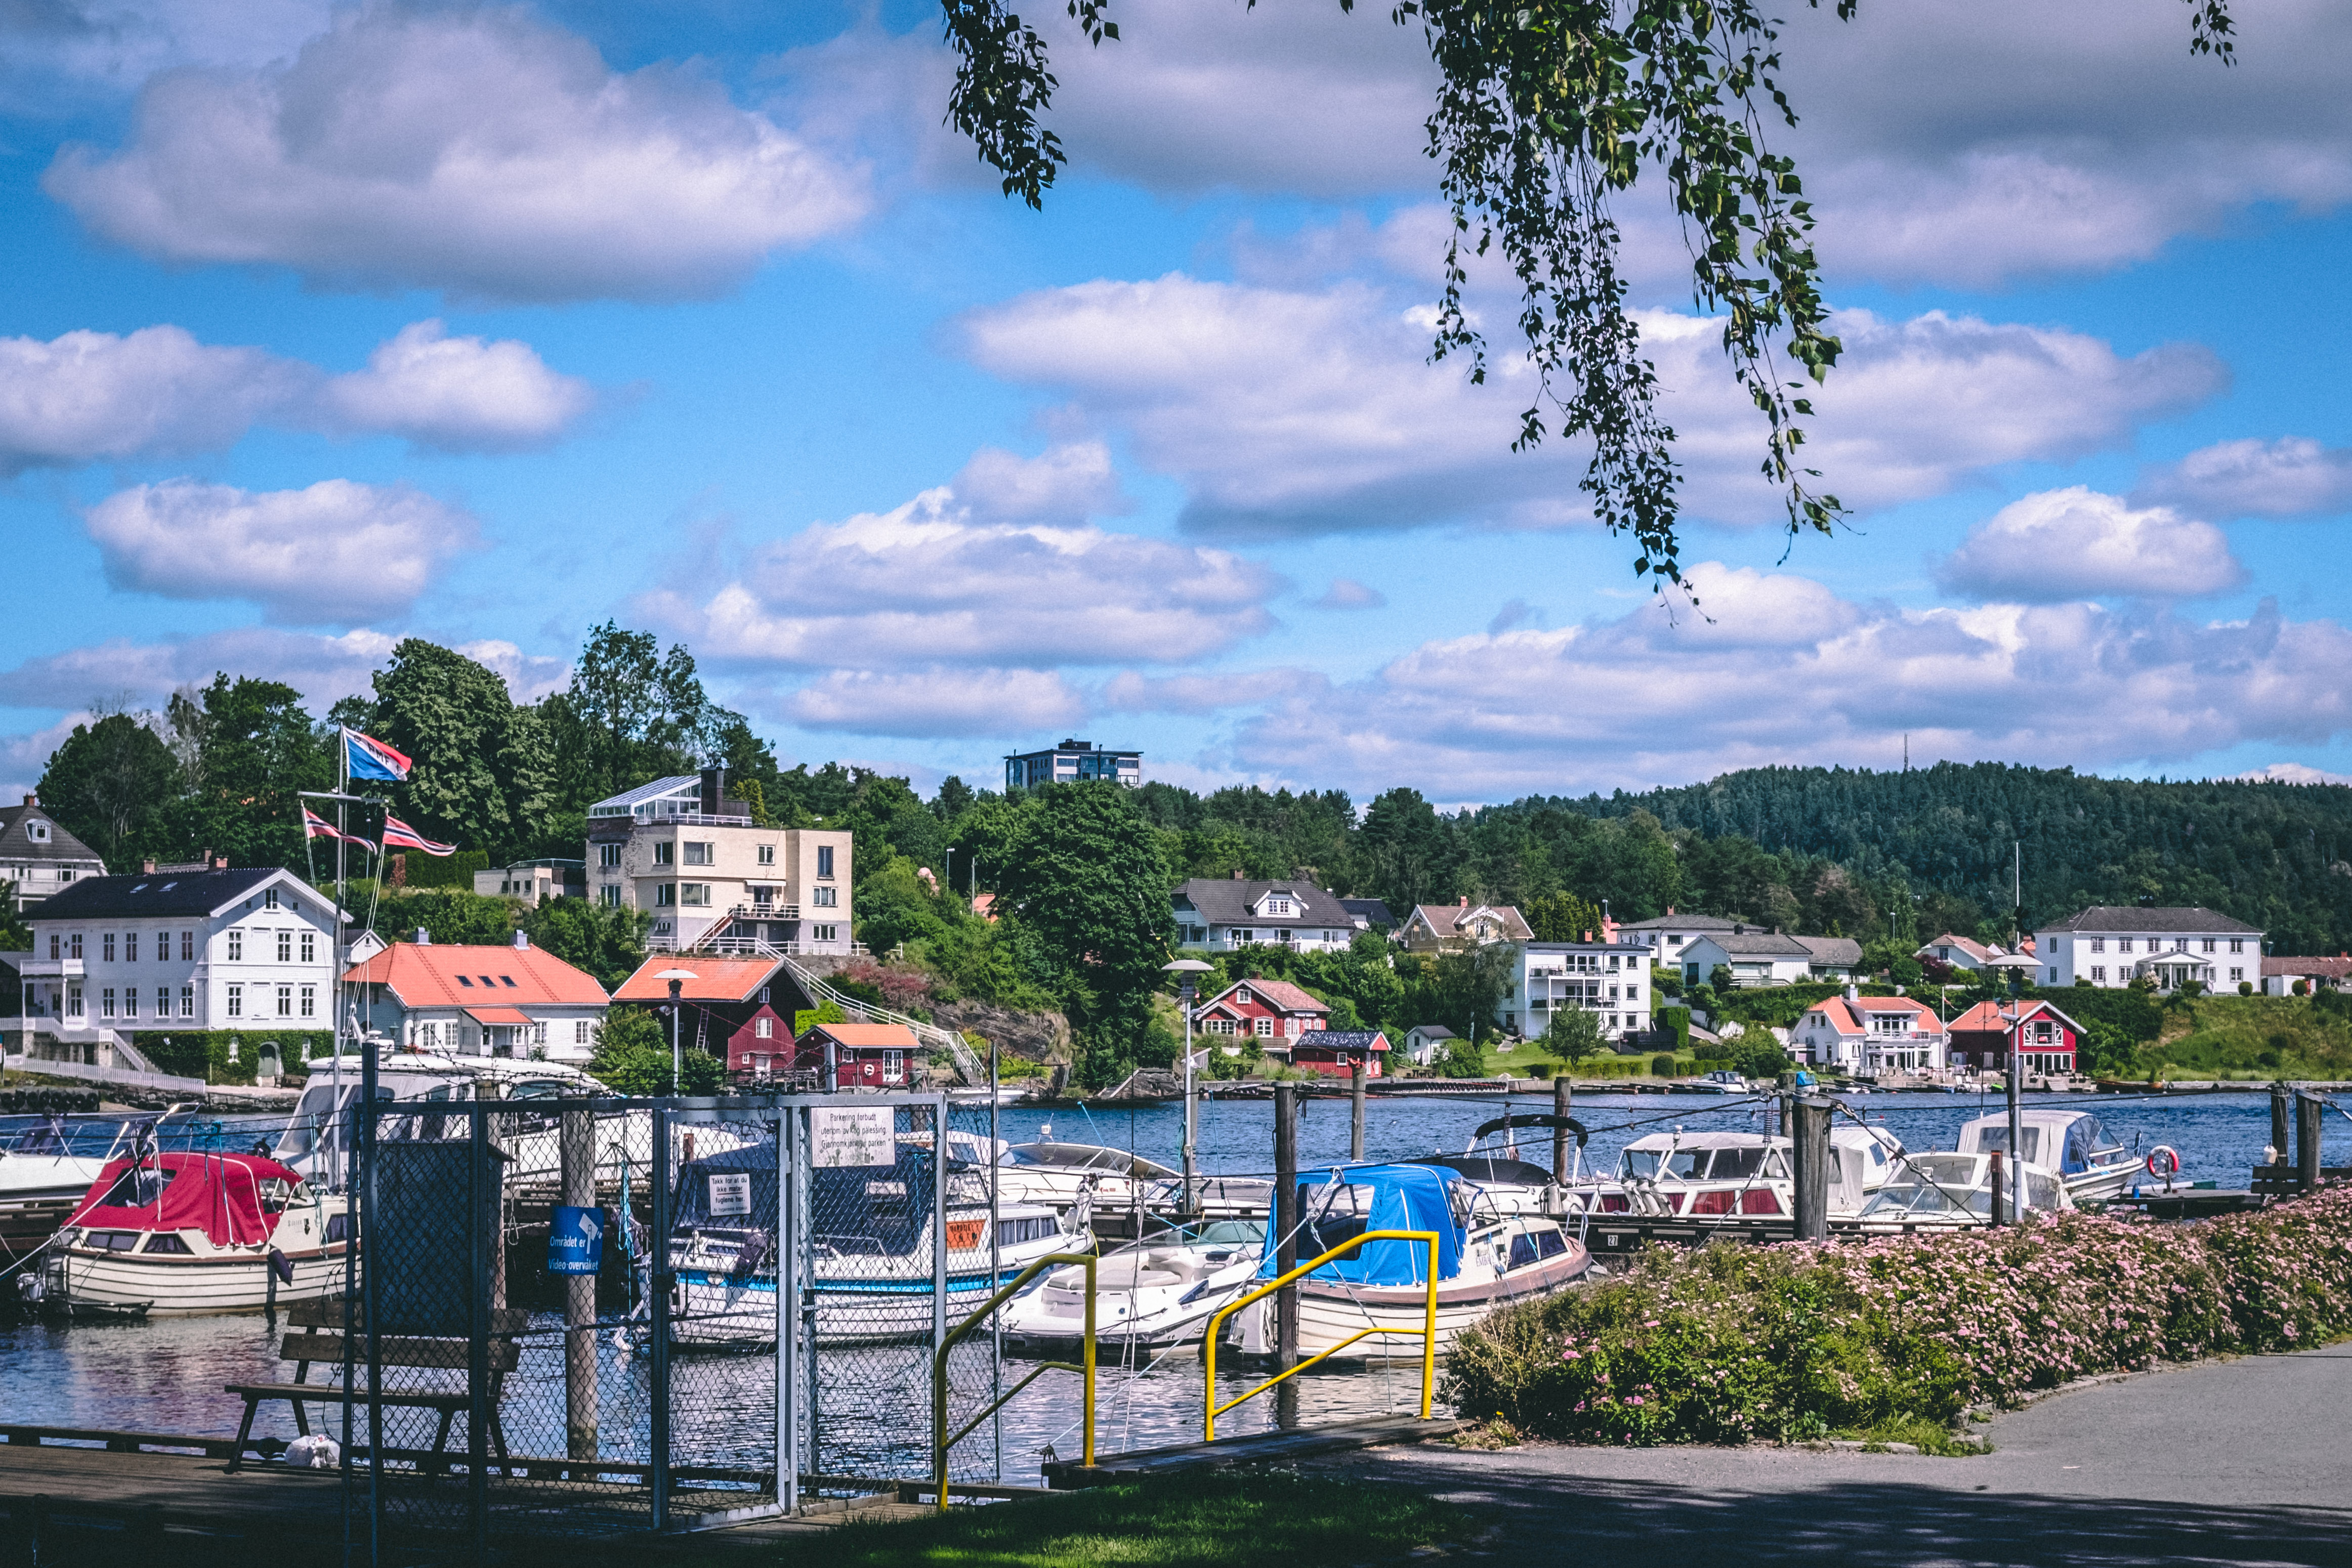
1085	875
1407	858
483	768
254	750
632	713
110	785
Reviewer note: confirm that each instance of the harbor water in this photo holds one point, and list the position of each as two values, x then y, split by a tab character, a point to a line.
168	1375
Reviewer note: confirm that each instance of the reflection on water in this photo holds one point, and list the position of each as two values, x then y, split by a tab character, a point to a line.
168	1375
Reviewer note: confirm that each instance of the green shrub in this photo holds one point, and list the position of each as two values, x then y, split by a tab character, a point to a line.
2245	987
445	871
205	1053
1458	1059
1678	1020
1662	1066
1722	1343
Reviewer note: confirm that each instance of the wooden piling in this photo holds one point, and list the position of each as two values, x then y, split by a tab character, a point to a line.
1562	1096
2308	1108
1997	1174
1810	1132
2279	1136
1355	1110
1285	1221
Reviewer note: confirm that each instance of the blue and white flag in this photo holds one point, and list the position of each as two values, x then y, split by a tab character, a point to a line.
371	758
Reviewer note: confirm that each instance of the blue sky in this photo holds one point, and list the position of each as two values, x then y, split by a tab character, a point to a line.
327	325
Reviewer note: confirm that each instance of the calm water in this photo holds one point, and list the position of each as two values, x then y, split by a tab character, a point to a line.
167	1376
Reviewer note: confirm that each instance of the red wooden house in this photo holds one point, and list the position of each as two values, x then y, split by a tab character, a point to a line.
2043	1038
1288	1025
1333	1052
863	1055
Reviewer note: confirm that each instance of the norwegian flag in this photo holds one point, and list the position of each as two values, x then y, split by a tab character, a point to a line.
399	835
369	758
315	826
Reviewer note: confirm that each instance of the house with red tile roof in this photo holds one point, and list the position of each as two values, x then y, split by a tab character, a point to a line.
2280	974
1275	1013
739	1008
858	1056
516	1001
1867	1036
1988	1034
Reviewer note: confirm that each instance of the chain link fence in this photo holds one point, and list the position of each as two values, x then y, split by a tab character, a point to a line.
593	1316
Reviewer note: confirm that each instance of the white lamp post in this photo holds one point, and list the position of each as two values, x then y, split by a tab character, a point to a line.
677	979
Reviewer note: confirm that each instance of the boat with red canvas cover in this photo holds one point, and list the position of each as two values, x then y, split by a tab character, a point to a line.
191	1232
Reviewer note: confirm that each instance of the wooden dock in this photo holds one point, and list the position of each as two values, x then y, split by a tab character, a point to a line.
1249	1448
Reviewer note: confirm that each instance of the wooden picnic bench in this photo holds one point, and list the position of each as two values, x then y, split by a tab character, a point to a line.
314	1335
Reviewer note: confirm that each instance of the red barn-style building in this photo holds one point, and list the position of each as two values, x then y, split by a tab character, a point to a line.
740	1008
863	1055
2043	1038
1333	1052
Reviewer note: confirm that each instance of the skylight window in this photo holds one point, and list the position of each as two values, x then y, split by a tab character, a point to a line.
510	981
465	982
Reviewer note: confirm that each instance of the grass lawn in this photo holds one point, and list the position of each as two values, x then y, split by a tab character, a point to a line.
2253	1037
1237	1520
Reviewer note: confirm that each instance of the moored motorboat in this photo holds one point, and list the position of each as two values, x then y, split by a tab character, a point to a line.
2094	1166
1062	1176
1510	1183
184	1233
1948	1189
1485	1260
44	1177
1150	1294
1722	1175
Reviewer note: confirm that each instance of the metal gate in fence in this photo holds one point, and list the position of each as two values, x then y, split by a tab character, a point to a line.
598	1315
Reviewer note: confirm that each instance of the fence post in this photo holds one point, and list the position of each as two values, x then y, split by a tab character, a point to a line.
1562	1096
2280	1144
2308	1108
484	1212
578	1153
1810	1132
1997	1194
1355	1110
1286	1222
658	1288
788	1276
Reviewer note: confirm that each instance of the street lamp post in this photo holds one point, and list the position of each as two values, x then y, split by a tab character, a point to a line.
677	979
1184	969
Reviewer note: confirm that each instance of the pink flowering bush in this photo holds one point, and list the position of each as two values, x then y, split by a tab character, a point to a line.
1723	1343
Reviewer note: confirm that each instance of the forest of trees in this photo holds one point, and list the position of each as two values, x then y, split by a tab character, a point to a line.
1082	873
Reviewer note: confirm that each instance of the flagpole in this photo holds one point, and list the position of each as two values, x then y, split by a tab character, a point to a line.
342	830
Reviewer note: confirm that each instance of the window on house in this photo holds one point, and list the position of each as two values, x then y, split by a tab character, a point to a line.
187	1001
698	854
827	933
106	944
467	981
2123	945
106	1003
237	1001
54	944
764	1029
286	1001
694	893
162	1001
2236	976
666	896
2098	943
664	854
187	946
825	897
2237	944
825	860
767	854
310	946
580	1031
73	946
309	1001
131	946
1265	1027
2099	974
608	855
285	946
38	832
236	946
610	897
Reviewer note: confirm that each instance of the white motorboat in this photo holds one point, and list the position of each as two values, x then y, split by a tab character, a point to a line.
1060	1175
1720	1176
871	1244
1510	1184
43	1176
1948	1189
320	1133
1213	1198
1485	1260
181	1233
2087	1158
1159	1292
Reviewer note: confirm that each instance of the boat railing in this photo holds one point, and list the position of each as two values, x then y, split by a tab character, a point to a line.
1428	1329
941	1440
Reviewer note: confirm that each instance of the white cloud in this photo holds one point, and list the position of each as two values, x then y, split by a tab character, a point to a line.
1294	412
1131	693
2077	543
336	551
479	153
929	583
1067	485
935	702
84	396
1347	593
1788	672
2293	476
460	394
25	758
323	669
2294	773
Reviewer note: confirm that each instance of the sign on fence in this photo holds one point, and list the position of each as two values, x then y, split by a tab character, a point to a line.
575	1240
731	1193
862	1136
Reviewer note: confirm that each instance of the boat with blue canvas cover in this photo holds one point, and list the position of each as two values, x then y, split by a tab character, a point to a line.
1486	1259
871	1237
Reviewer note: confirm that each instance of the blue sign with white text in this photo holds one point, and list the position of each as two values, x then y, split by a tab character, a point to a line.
575	1241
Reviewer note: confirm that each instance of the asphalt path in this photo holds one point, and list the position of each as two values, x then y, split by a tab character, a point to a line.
2245	1461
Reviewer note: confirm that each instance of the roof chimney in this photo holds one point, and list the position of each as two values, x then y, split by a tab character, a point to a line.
31	799
1738	929
714	790
220	862
521	940
1853	992
422	938
1237	874
1465	902
1670	909
148	865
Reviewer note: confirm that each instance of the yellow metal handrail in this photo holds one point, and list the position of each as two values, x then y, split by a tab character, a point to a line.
940	1440
1428	1331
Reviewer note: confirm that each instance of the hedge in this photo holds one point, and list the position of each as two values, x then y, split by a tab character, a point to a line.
1718	1345
439	871
205	1053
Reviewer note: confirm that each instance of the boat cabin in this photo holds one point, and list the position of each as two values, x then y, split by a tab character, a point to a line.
168	1203
2068	1142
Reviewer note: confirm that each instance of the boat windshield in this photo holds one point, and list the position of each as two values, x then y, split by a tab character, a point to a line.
1230	1233
1996	1136
1669	1164
1918	1200
41	1140
1736	1164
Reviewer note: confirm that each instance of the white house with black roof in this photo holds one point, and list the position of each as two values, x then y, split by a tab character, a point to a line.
210	949
1219	915
2114	945
37	856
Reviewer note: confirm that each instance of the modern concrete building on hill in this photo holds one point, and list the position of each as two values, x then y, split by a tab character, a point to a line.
681	850
1609	979
1072	762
